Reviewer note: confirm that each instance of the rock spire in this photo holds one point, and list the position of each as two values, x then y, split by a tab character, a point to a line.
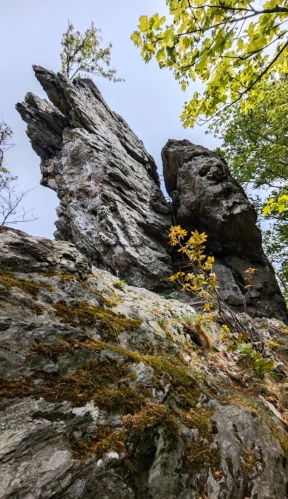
111	206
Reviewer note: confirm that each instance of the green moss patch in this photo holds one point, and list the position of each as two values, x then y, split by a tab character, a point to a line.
80	387
10	280
184	385
105	441
140	427
85	315
144	422
11	388
54	350
108	385
250	460
91	382
201	454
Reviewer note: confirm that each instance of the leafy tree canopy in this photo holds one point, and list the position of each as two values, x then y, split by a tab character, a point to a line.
228	45
82	54
5	136
255	146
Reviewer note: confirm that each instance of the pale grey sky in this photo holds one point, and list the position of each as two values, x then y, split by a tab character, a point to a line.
150	100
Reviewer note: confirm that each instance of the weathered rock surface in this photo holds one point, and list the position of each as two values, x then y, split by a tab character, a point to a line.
111	206
103	393
206	197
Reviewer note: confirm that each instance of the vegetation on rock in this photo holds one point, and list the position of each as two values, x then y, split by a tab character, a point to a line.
111	407
85	315
10	199
10	280
83	56
202	282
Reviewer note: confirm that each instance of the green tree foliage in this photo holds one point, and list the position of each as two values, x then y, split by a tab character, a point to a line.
5	136
255	146
5	144
228	45
82	54
256	143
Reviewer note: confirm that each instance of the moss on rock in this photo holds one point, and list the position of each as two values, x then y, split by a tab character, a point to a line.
202	454
84	315
10	280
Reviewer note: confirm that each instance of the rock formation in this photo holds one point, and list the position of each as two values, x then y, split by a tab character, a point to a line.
111	206
206	197
103	394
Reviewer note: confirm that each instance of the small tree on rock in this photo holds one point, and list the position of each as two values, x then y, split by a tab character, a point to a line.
82	54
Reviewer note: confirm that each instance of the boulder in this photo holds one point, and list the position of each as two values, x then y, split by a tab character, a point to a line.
104	394
206	197
111	206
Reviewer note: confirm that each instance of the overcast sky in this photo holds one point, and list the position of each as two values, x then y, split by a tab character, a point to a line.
150	99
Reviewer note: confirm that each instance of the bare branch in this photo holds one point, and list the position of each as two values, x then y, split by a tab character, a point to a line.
10	200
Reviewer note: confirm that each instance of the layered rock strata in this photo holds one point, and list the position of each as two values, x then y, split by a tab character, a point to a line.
206	197
104	394
111	206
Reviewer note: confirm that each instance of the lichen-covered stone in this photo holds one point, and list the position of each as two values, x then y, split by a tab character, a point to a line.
104	394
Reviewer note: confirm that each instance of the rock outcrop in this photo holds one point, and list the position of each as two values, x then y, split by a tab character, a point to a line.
104	394
206	197
111	205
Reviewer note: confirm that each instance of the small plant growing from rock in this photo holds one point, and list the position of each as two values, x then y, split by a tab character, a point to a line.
254	359
202	282
120	284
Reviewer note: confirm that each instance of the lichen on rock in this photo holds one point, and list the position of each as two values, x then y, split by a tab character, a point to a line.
108	389
103	393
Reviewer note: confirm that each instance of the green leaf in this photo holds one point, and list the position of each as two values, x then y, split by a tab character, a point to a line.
157	21
136	38
245	348
143	23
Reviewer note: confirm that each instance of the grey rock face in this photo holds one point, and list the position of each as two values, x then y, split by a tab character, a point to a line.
206	197
103	394
111	206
